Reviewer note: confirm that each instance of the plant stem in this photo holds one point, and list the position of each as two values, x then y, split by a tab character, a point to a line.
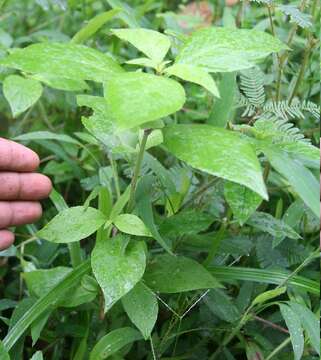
279	348
311	44
199	193
245	318
115	175
75	254
271	325
131	202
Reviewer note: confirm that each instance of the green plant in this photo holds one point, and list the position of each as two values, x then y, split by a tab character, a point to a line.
170	203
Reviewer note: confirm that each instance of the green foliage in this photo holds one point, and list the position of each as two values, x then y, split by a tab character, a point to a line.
185	141
118	267
21	93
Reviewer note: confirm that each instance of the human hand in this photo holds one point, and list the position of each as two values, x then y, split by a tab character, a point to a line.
231	2
20	189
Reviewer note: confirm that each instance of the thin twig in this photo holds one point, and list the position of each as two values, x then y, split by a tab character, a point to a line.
271	325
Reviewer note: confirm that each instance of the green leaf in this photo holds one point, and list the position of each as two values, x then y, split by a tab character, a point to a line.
118	267
174	274
242	200
223	108
145	209
299	177
293	323
222	306
152	43
21	93
93	26
128	14
145	62
195	75
44	303
310	323
141	307
46	135
65	60
230	274
3	353
306	153
40	282
113	342
61	83
186	223
267	223
37	356
268	295
136	98
73	224
217	151
224	49
131	224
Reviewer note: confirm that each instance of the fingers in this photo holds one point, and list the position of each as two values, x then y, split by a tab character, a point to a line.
16	157
19	213
6	239
15	186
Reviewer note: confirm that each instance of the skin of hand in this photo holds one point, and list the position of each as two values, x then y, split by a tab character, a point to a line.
21	189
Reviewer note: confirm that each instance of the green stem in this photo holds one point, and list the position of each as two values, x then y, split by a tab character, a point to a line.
216	243
306	262
245	318
75	254
306	58
115	175
131	202
279	348
200	192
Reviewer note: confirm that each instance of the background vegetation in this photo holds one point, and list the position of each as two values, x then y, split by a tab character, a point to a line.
267	260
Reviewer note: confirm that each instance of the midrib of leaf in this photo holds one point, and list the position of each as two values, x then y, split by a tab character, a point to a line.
43	304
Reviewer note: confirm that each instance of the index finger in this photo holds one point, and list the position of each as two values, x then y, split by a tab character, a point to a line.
16	157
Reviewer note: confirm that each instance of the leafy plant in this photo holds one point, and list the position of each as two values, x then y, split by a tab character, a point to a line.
193	191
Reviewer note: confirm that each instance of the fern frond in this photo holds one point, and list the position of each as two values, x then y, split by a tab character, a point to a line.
279	130
296	15
286	111
252	86
266	2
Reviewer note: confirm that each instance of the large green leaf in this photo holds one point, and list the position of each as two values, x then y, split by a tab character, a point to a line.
21	93
224	49
195	75
141	307
118	267
152	43
66	60
137	98
300	178
217	151
173	274
73	224
113	342
93	26
310	323
242	200
296	332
